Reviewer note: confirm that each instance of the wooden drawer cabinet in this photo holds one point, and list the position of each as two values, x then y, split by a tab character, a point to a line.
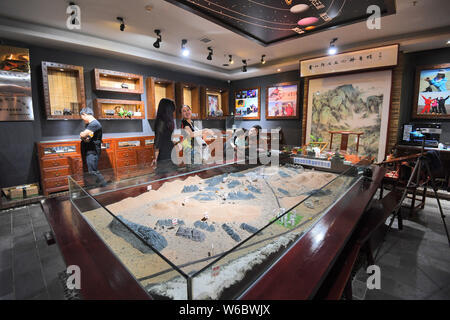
56	172
126	154
126	162
119	156
56	183
55	162
145	156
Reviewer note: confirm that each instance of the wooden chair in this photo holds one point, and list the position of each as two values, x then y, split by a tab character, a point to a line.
344	139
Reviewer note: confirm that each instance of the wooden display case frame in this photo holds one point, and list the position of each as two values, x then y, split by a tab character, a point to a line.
80	83
138	79
152	104
98	109
224	96
195	98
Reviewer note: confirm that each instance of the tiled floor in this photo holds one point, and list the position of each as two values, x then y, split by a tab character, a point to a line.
28	266
414	262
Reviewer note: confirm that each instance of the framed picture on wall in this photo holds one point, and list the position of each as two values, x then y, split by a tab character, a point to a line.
351	104
247	104
432	92
282	101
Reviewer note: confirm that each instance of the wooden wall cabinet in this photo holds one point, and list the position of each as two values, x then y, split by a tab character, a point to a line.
156	90
214	103
188	94
64	93
115	81
106	109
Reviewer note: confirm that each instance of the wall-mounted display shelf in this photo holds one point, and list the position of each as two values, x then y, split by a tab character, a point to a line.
156	90
188	94
64	93
214	103
115	81
118	109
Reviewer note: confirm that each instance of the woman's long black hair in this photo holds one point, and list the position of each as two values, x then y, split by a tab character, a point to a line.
166	108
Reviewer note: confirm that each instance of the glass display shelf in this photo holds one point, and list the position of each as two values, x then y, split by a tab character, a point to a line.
208	231
60	149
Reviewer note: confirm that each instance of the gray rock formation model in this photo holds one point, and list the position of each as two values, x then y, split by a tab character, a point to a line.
231	232
167	222
149	235
191	188
191	233
239	195
248	228
203	225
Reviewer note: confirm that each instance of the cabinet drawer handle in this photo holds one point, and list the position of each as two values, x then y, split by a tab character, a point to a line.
57	174
55	163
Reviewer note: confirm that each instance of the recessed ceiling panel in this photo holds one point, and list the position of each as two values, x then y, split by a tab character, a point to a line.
271	21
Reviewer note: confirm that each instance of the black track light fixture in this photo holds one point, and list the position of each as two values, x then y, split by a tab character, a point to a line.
332	50
158	39
122	23
244	67
263	60
209	57
230	59
184	50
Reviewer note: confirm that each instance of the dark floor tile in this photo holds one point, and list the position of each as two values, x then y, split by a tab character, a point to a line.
441	277
442	294
40	223
28	285
401	290
6	242
5	230
5	218
22	230
55	290
6	282
24	242
5	259
43	295
26	261
10	296
21	218
376	294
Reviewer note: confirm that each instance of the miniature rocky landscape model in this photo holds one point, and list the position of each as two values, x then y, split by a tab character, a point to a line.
191	222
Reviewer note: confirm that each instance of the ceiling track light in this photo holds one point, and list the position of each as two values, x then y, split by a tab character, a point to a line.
122	23
230	59
332	50
184	50
263	61
156	44
209	57
244	67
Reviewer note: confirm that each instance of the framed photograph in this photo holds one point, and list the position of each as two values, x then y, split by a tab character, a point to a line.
214	109
352	104
432	92
247	104
15	84
282	101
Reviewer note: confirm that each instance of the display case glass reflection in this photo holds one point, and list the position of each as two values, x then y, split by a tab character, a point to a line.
126	144
59	149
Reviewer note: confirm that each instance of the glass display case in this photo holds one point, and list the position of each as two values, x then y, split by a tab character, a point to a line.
208	232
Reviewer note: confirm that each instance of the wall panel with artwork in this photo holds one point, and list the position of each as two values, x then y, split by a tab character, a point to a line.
432	92
357	102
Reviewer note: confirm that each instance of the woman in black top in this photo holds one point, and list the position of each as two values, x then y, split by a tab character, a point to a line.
164	126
